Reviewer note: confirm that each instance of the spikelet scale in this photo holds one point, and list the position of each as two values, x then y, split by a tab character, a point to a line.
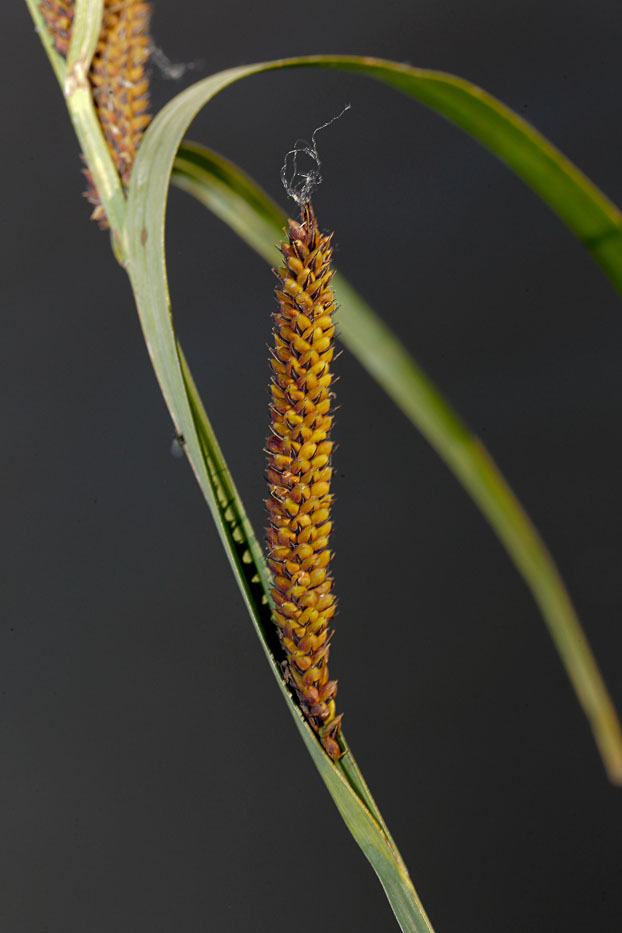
58	16
299	471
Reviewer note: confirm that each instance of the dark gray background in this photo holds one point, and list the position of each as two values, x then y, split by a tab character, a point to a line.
151	778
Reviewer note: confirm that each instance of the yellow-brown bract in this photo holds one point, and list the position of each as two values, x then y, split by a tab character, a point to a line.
299	471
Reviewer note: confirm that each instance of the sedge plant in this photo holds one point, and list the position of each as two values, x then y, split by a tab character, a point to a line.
98	50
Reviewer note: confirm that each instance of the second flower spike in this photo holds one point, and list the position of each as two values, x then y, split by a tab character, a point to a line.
299	471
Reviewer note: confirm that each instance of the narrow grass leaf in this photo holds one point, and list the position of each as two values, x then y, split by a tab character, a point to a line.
592	217
85	30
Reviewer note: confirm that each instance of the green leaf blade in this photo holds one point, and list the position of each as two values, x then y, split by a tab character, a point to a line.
85	30
592	217
582	206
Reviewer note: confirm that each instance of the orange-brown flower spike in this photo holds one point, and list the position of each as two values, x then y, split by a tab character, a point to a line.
120	85
299	471
117	75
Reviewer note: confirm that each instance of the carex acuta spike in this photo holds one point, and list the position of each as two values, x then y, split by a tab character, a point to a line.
118	78
299	471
